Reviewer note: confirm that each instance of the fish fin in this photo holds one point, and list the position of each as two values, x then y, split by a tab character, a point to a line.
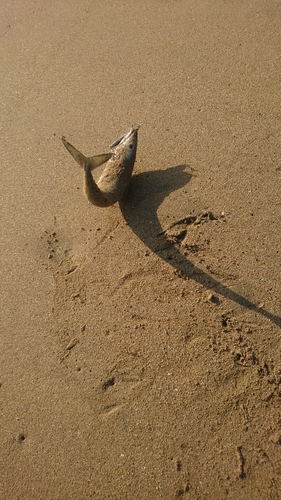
96	161
79	157
92	161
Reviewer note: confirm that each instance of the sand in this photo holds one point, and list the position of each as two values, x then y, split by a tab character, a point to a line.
140	344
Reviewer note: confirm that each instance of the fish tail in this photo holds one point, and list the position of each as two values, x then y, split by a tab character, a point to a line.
91	162
79	157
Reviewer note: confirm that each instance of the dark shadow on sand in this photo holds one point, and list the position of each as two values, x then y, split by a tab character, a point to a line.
139	208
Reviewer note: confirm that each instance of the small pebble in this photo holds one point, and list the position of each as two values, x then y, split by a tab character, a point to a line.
276	438
212	298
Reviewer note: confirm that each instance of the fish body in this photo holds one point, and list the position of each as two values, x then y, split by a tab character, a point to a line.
117	173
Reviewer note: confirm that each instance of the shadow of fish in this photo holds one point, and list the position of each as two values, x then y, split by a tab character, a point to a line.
117	173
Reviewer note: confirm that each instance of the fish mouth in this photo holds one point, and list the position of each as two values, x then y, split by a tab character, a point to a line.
131	133
124	138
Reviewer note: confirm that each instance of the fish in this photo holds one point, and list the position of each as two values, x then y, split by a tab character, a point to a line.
115	178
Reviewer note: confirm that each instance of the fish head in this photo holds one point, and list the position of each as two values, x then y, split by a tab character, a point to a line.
127	144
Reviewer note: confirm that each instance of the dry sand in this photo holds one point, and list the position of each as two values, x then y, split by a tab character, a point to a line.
134	364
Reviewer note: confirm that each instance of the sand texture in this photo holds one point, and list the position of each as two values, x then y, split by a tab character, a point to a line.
140	344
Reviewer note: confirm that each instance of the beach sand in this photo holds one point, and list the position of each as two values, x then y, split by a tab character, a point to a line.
140	344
